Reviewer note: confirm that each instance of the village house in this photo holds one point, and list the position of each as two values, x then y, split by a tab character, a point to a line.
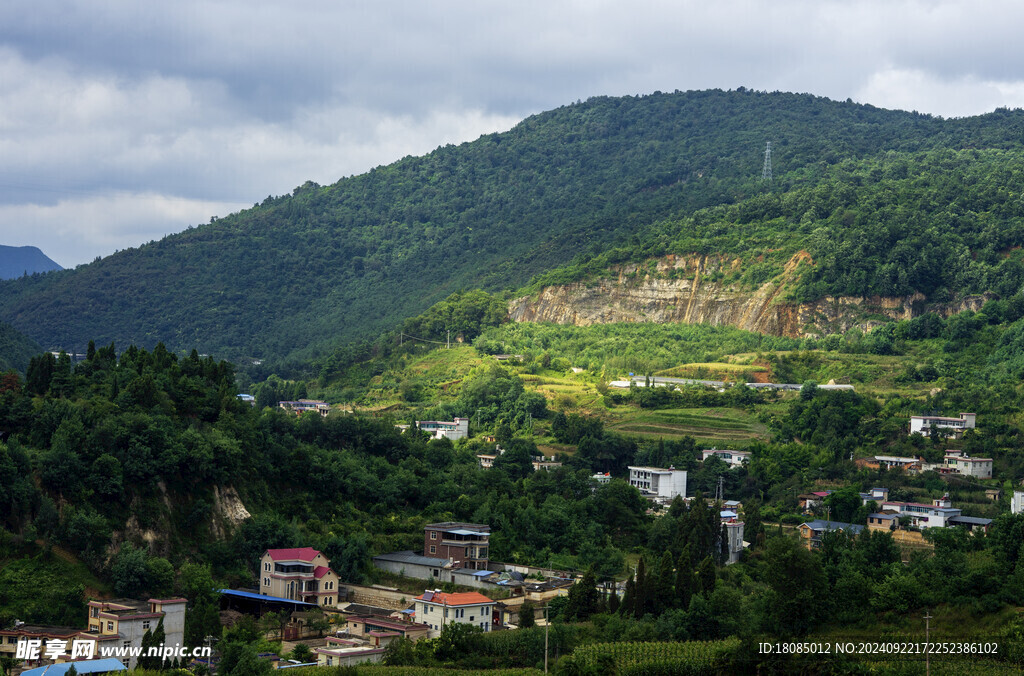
957	462
875	494
731	458
812	531
305	405
939	514
812	501
880	462
439	429
1017	501
380	630
123	622
339	652
35	632
436	609
301	574
657	482
951	427
410	564
466	545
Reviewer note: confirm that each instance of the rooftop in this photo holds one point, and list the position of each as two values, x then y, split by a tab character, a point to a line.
822	524
299	554
409	556
460	599
474	528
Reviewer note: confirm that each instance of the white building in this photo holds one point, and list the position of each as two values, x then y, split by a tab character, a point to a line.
734	536
954	427
436	609
440	429
957	462
658	482
601	478
1017	501
939	514
732	458
304	406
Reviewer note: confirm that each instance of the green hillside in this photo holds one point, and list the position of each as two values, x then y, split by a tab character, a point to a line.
303	272
15	349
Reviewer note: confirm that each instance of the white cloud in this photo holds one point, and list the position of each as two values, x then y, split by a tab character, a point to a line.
217	104
926	92
76	230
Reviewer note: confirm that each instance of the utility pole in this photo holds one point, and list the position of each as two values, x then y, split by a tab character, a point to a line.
546	624
927	648
766	171
448	345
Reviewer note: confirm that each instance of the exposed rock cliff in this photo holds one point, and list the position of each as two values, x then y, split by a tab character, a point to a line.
694	290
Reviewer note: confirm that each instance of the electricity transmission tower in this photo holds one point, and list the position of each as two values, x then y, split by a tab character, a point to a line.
766	172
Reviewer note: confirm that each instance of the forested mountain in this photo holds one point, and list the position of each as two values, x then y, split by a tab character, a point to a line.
16	261
15	349
301	272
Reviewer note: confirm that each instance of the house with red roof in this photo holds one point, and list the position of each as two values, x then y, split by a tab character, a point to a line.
300	574
436	609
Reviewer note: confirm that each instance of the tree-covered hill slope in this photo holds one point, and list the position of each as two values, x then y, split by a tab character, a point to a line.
15	349
322	265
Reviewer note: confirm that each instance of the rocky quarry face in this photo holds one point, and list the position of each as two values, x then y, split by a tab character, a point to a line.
693	290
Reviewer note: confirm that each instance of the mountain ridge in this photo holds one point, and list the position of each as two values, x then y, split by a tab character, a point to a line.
16	261
297	274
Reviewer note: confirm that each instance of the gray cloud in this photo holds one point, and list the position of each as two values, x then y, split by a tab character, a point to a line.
121	121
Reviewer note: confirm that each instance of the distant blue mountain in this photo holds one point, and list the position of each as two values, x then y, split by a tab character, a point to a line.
15	261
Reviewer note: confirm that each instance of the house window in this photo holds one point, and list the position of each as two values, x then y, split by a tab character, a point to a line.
433	549
94	612
145	625
433	535
110	626
266	582
266	566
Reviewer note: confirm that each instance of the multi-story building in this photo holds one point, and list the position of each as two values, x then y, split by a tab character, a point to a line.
302	574
306	405
466	545
439	429
658	482
119	623
436	609
958	463
34	632
953	427
123	622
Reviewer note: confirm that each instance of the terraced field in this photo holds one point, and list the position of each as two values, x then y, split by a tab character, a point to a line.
731	425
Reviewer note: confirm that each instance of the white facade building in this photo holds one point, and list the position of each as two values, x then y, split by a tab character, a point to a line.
922	424
436	609
959	463
440	429
732	458
659	482
1017	501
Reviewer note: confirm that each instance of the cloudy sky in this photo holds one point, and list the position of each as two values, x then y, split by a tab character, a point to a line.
123	121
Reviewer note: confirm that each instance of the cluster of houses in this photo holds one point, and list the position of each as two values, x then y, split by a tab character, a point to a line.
301	579
893	516
539	462
953	462
114	624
